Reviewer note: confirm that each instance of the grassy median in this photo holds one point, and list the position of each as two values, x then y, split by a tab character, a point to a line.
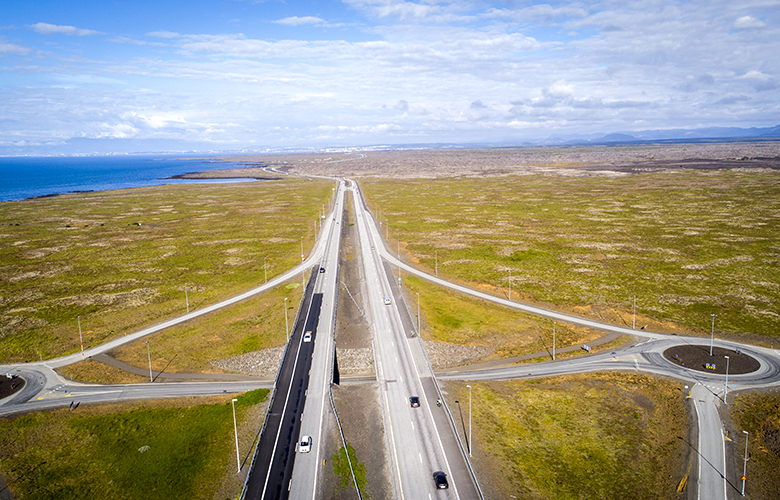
686	244
122	260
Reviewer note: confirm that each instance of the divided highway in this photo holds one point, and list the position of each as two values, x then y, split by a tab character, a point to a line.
420	440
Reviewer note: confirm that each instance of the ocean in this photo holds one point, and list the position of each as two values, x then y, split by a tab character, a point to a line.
27	177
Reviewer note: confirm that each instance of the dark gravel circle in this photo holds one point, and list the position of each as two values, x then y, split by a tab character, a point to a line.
9	386
696	357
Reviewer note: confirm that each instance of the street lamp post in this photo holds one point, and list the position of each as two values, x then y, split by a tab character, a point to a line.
510	287
553	340
265	270
149	353
469	419
81	339
744	467
712	335
186	298
418	313
633	325
286	324
437	263
303	271
726	385
235	429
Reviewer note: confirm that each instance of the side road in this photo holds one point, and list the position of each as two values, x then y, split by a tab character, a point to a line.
45	378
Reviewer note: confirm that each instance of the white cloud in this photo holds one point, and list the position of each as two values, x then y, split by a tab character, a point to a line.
558	90
163	34
746	22
155	121
12	49
397	8
540	12
300	21
54	29
756	75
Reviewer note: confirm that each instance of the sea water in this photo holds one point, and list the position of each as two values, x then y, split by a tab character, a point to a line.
27	177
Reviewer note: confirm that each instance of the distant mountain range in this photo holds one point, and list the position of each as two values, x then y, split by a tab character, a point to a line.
99	147
672	135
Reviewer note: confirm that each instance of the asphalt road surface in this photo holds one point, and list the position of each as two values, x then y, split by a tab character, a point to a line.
272	466
309	466
420	440
298	400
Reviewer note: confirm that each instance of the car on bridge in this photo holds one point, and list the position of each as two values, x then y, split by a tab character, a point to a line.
307	336
305	446
388	301
414	401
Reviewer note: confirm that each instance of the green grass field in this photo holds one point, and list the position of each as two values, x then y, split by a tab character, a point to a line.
458	319
251	325
166	450
122	260
759	415
612	435
686	244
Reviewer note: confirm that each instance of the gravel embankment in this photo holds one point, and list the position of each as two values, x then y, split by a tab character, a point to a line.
444	355
264	363
355	361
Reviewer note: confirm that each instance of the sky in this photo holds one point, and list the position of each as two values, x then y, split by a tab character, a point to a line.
244	74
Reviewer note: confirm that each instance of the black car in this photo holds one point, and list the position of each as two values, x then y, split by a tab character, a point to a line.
322	269
414	401
440	478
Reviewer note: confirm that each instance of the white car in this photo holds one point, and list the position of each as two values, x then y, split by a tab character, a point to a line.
307	336
305	446
388	301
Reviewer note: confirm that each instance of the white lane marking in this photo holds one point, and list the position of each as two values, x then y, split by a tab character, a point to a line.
420	455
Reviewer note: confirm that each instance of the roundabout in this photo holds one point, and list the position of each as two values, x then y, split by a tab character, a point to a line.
697	357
